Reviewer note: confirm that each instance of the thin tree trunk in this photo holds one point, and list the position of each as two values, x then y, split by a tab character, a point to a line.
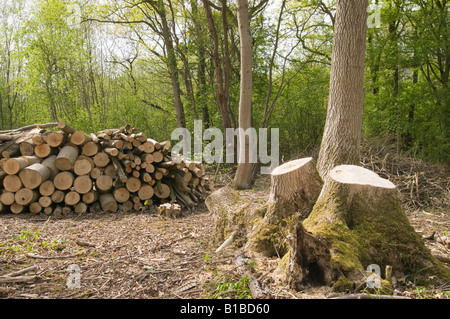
172	64
226	56
225	112
243	178
271	64
187	69
201	79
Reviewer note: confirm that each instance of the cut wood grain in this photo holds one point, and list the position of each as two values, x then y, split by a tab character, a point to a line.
43	170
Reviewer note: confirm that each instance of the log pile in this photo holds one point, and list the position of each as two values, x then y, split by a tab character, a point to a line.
62	170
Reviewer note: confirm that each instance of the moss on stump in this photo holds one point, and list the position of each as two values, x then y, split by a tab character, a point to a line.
360	216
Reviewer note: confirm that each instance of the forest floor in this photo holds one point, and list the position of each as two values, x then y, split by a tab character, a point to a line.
143	255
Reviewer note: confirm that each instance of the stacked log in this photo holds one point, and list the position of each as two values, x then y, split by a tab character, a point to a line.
55	169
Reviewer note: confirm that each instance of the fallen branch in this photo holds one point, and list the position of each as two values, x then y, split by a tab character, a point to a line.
52	257
30	127
22	279
442	258
367	296
226	242
20	272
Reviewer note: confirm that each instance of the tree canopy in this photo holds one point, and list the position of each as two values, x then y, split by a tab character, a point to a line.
163	64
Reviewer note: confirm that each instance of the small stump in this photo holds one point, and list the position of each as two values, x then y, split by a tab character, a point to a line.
230	216
170	210
294	190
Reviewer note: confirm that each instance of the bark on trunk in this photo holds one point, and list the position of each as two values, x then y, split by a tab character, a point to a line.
14	165
66	157
172	65
34	175
224	110
108	203
243	177
342	134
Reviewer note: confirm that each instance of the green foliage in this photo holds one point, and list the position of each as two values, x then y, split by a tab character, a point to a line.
25	241
407	92
29	241
99	75
233	287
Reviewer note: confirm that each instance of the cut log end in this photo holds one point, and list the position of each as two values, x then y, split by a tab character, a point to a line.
351	174
72	168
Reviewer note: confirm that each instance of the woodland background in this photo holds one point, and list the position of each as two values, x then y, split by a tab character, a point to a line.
121	60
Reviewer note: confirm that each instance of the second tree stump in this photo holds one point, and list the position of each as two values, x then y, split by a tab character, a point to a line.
294	189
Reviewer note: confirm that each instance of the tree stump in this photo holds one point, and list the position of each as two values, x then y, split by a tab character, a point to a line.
294	190
230	216
357	221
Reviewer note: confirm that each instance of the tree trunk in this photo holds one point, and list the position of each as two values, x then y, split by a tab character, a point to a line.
104	183
66	128
80	208
56	139
342	134
45	201
58	196
243	177
49	162
172	65
12	183
27	148
15	164
26	196
83	165
46	188
79	138
224	110
90	148
16	208
83	184
145	192
44	150
101	159
7	198
90	197
121	194
72	198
